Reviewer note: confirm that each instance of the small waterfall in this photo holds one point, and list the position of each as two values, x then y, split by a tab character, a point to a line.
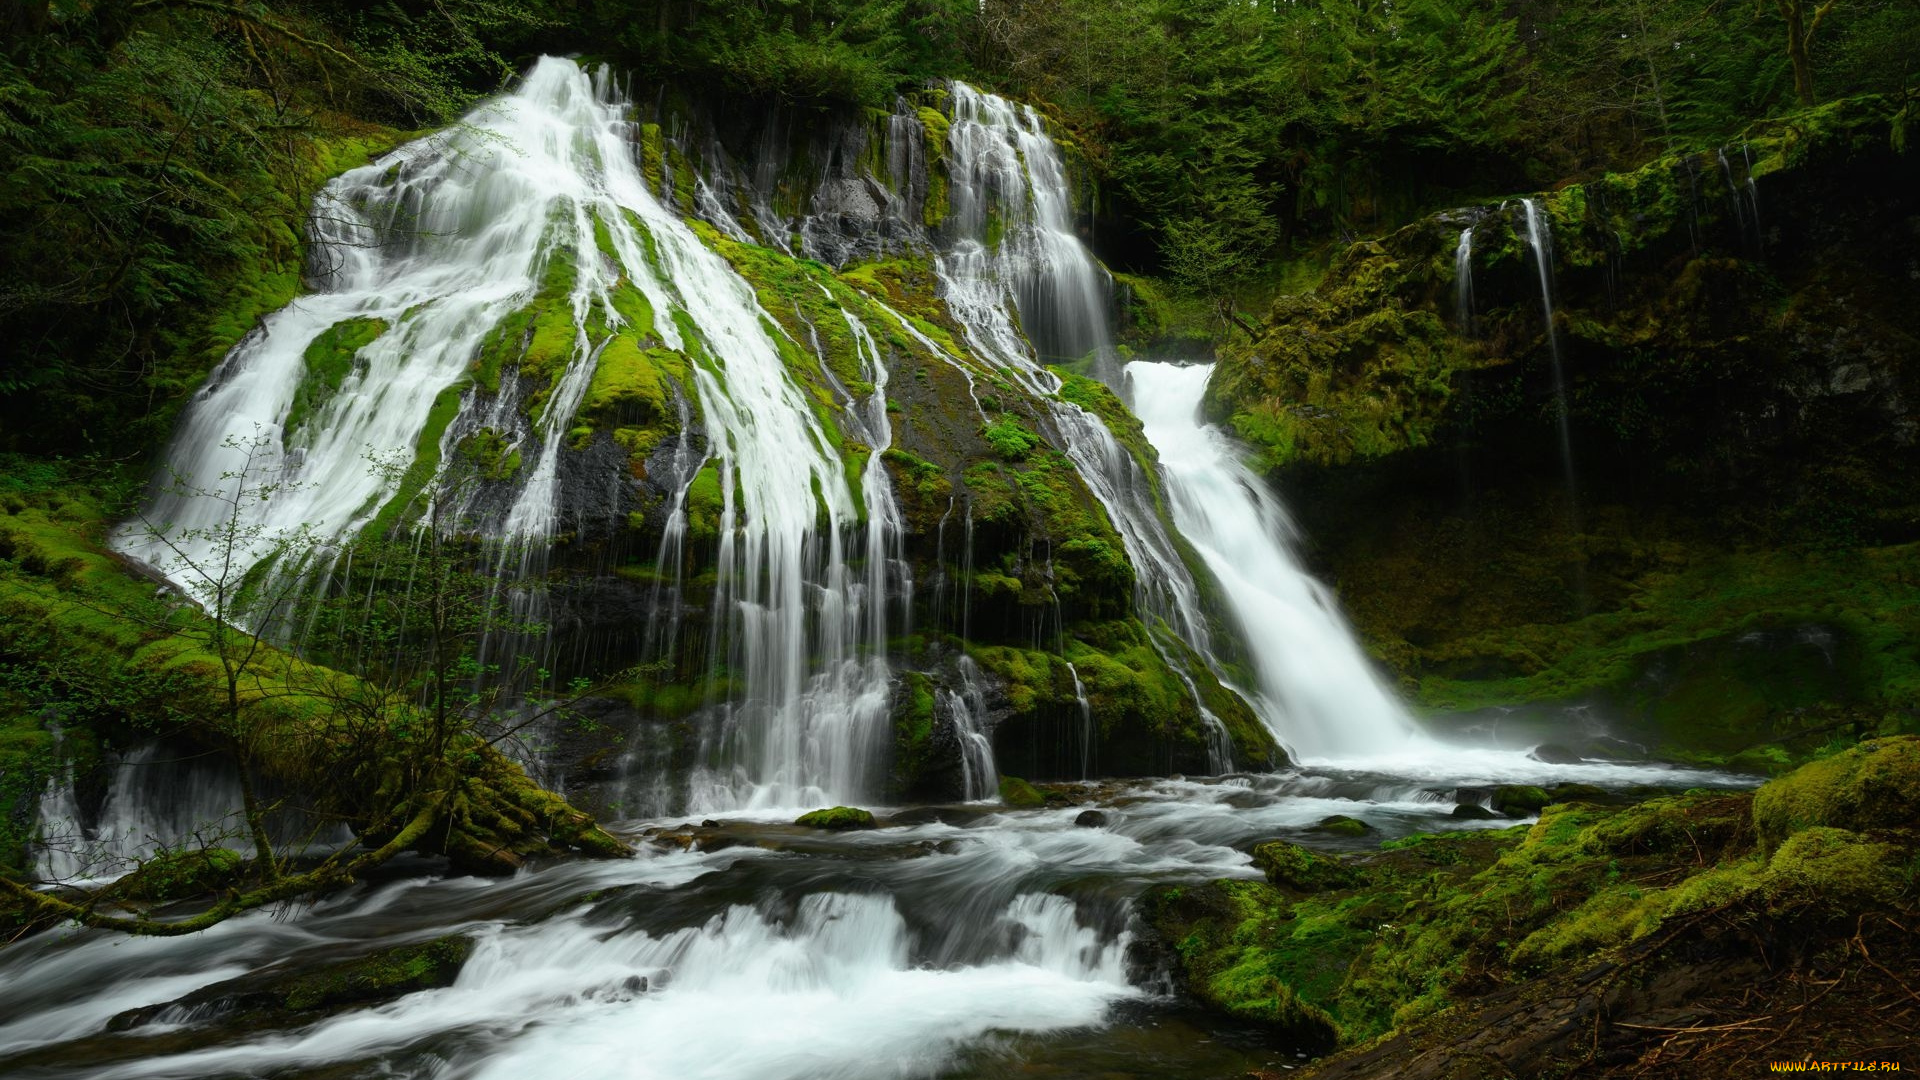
1012	226
1086	722
1463	282
1317	691
1733	192
966	707
1540	242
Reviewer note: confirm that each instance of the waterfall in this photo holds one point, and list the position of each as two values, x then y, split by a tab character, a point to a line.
1013	238
1020	282
1540	242
433	249
967	710
1316	690
1086	722
153	803
1463	282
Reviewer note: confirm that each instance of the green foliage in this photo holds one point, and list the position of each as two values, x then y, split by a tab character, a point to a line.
156	166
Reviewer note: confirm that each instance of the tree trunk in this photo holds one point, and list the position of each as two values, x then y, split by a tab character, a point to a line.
1797	53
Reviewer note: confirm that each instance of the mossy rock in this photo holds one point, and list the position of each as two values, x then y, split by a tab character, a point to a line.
1342	825
1020	795
1875	785
1293	867
837	818
1519	800
325	366
381	976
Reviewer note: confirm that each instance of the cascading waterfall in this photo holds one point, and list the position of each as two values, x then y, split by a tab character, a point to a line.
1015	254
1463	282
1012	223
1316	689
1540	242
439	244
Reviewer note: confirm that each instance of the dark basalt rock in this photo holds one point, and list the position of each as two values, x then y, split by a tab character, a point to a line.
1554	754
1091	819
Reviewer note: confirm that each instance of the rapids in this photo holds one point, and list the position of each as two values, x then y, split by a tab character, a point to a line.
955	942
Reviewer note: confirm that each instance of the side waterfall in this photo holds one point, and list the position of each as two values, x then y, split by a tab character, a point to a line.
1463	282
1316	689
1540	241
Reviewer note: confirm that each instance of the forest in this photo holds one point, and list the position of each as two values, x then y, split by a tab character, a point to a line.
958	538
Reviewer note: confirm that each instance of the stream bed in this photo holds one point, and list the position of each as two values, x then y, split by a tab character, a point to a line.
959	941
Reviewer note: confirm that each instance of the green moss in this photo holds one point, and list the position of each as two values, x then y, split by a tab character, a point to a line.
1020	795
936	126
838	818
652	157
1342	825
1295	868
1875	785
327	363
405	505
487	451
380	976
1519	800
1009	438
704	504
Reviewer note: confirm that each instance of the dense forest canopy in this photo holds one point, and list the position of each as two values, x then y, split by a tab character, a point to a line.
158	156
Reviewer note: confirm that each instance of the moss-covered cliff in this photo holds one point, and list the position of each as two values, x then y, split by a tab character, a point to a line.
1724	559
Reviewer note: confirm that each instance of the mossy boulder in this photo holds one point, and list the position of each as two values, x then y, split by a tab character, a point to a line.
1875	785
1292	867
1342	825
381	976
305	988
1519	800
837	819
1020	795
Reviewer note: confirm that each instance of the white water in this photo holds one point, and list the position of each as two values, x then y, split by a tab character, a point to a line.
966	709
1039	288
1317	691
1463	282
152	804
1540	241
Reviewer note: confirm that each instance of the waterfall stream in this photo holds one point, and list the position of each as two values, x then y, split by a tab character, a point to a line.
1540	242
1463	282
1316	690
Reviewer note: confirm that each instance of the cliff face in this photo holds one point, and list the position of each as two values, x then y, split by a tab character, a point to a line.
1711	549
